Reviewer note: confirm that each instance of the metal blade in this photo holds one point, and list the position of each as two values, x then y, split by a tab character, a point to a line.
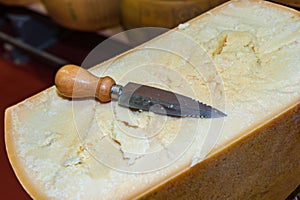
164	102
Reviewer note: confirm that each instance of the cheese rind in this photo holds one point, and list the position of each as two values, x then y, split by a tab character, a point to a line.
248	67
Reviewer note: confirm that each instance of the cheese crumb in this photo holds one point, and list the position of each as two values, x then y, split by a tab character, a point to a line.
72	161
183	26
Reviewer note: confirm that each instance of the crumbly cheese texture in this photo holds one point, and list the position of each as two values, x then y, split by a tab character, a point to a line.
242	58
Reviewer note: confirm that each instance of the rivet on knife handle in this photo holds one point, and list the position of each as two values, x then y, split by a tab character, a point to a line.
87	85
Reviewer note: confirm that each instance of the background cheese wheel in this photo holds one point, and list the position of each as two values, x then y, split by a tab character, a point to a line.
293	3
162	13
82	15
17	2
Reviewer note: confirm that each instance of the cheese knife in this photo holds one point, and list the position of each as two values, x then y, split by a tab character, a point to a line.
75	82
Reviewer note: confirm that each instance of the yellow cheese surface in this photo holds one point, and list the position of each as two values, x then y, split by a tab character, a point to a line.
242	58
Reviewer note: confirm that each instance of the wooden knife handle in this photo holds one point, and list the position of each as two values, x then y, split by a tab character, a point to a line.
75	82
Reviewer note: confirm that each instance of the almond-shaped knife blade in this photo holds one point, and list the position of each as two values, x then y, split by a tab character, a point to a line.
147	98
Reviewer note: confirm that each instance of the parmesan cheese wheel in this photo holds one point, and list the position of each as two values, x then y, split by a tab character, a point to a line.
294	3
92	15
18	2
63	149
162	13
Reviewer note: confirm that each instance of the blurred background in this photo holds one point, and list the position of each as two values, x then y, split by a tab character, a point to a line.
39	36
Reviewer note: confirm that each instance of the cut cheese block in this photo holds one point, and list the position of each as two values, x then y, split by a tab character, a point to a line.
242	58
